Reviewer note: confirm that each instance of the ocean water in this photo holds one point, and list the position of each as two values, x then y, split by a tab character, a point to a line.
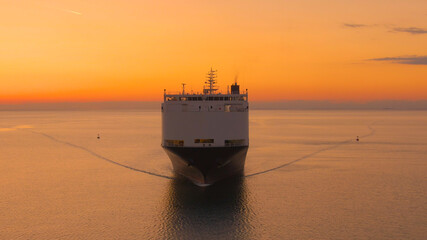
306	177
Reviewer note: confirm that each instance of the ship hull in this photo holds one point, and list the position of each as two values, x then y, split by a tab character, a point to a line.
207	165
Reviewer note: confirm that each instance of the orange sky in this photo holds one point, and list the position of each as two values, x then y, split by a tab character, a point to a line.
79	50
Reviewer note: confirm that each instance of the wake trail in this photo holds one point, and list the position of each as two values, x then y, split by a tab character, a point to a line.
372	132
99	156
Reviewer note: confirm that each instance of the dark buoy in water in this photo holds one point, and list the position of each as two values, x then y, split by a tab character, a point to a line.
100	137
357	138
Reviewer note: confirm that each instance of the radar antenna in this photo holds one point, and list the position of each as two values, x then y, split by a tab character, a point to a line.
210	82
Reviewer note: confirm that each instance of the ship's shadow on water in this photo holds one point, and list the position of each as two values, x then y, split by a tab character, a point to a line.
213	212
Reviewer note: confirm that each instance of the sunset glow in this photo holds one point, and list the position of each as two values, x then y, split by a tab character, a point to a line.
339	50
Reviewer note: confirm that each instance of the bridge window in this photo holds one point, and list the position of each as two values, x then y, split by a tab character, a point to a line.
171	99
194	98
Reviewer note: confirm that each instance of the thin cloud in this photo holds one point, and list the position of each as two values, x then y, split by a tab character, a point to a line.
391	28
353	25
411	30
412	60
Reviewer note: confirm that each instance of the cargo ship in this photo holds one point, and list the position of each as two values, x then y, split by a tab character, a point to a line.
206	134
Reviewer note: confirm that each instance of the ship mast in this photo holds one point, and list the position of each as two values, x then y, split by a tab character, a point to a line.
210	82
183	88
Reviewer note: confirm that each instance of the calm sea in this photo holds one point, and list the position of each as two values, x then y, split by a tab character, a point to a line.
306	177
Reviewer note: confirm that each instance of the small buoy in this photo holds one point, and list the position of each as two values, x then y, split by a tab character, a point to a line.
357	138
98	136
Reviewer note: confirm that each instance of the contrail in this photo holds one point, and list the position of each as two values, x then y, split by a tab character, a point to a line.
70	11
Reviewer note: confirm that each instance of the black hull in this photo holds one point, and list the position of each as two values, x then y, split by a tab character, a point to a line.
205	166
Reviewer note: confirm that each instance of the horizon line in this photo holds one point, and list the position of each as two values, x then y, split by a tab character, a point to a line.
335	101
256	105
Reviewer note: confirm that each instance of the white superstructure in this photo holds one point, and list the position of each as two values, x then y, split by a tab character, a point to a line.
208	119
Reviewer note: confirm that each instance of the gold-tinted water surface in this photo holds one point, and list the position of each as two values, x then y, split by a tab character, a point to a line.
306	177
